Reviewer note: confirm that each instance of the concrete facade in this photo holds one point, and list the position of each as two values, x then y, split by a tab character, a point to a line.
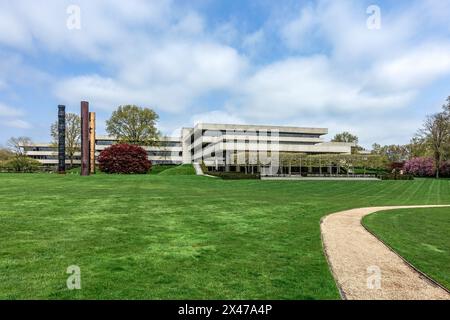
169	152
217	145
221	145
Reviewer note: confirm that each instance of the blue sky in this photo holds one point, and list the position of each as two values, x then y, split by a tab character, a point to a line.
302	63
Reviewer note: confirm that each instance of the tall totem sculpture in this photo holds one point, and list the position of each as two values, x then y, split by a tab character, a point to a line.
61	139
92	142
85	138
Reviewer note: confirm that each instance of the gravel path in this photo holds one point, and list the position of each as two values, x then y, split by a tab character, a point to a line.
366	269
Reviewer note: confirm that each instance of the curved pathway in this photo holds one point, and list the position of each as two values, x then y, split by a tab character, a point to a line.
365	268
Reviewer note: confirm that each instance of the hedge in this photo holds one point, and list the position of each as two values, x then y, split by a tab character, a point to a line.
234	175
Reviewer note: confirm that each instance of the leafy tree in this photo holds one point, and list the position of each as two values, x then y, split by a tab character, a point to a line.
418	148
446	106
376	148
345	137
125	159
134	125
436	131
421	167
73	135
5	154
394	153
19	161
17	145
22	164
349	138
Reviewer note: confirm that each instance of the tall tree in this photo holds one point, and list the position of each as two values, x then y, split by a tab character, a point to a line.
133	124
394	153
73	135
436	131
17	145
446	106
345	137
5	154
418	147
349	138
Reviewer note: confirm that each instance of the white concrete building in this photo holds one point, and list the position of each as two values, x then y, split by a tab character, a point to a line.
228	146
169	151
219	146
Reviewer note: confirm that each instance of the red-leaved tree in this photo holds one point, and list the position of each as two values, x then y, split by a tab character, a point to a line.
125	159
421	167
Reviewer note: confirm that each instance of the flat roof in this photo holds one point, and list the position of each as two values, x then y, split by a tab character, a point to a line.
218	126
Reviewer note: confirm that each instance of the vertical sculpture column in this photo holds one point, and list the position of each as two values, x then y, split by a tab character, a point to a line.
84	138
61	139
92	142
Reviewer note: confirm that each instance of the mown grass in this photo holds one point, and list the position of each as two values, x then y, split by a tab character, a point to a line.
174	237
158	168
181	170
421	236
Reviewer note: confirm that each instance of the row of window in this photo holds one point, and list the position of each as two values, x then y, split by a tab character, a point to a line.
150	154
219	133
161	143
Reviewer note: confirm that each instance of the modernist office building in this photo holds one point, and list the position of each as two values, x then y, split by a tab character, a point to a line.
230	147
219	146
168	151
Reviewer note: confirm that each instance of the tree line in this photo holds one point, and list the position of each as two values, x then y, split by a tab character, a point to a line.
136	125
431	140
128	124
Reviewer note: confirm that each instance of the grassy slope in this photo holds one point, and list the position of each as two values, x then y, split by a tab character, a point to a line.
422	236
157	169
184	169
155	236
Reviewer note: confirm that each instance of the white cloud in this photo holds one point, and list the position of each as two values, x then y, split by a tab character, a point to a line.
414	68
7	111
9	117
309	85
190	24
12	31
14	71
107	93
17	124
168	78
298	32
217	116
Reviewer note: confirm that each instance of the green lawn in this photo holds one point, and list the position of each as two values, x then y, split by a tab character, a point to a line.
421	236
163	236
184	169
157	169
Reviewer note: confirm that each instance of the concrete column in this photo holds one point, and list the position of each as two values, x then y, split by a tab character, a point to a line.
61	139
84	138
92	142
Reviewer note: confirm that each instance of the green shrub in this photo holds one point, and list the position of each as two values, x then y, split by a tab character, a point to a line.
395	176
203	167
5	155
21	164
379	171
234	175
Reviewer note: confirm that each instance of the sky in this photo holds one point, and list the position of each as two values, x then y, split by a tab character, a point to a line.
338	64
